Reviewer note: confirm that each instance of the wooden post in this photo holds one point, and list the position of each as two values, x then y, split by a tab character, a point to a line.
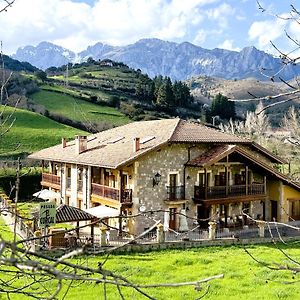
92	232
246	180
226	179
205	184
77	229
120	186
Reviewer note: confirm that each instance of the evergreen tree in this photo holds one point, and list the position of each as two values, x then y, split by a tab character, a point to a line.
222	107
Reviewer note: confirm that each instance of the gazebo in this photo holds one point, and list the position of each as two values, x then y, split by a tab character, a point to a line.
66	214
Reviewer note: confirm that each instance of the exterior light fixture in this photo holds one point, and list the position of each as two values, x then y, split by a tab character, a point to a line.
156	179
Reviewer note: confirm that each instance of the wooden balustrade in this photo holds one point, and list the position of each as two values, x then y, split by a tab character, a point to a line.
215	192
50	179
112	193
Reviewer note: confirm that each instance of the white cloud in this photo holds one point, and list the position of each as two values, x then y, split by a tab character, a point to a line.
263	32
221	14
228	44
74	25
200	37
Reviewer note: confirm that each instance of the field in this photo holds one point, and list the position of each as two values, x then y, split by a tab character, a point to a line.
31	132
78	110
243	277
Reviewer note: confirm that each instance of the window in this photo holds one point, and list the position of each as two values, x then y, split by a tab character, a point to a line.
202	179
220	180
240	179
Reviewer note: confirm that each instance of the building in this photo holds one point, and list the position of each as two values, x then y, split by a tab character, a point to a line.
175	166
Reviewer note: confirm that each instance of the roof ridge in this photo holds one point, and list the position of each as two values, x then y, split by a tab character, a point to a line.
175	128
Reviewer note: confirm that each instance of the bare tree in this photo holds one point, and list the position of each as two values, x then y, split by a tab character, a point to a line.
288	59
6	4
255	125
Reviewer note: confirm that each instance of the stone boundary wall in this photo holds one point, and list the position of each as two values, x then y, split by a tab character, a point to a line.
181	245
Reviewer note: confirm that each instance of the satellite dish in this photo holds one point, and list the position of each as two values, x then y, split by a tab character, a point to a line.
142	208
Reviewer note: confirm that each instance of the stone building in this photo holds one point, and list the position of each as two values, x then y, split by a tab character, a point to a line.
170	167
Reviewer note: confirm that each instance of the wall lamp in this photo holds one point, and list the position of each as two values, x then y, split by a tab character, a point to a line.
156	179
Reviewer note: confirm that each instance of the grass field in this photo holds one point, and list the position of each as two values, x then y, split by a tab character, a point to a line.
31	132
243	277
78	110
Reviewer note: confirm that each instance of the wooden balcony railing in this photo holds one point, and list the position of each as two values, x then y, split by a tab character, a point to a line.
50	179
175	192
215	192
112	193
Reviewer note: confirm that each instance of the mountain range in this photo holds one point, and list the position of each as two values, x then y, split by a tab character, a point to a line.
179	61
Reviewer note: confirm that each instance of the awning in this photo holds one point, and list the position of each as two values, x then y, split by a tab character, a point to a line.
46	195
103	211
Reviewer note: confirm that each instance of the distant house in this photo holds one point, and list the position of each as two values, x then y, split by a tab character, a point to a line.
106	62
175	166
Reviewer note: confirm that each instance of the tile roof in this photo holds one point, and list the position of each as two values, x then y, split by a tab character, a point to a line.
66	213
187	131
211	156
114	147
102	152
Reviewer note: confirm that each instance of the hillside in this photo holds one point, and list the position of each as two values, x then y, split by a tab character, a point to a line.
204	88
31	132
179	61
16	65
75	109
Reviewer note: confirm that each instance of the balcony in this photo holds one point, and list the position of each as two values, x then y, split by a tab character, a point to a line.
112	193
50	180
175	193
232	191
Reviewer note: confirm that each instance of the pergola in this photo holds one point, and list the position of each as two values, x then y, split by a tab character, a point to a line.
66	213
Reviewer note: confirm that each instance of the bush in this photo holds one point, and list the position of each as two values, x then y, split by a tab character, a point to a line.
114	101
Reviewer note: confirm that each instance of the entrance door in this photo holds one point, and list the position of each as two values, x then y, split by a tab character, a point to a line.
172	218
273	210
202	214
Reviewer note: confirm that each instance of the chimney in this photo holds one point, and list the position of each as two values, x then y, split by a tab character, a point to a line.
64	142
136	144
80	143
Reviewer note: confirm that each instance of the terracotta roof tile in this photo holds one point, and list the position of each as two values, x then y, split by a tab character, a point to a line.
187	131
113	148
211	156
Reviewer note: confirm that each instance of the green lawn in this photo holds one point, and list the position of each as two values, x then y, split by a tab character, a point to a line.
78	110
5	233
243	277
31	132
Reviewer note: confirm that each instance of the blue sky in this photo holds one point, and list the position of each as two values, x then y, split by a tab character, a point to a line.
75	24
